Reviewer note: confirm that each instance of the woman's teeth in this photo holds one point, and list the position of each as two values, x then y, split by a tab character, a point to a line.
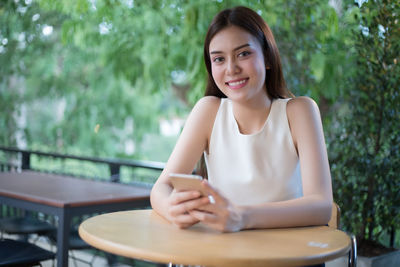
237	83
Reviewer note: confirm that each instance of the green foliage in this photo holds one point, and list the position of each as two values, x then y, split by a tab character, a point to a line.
107	64
65	96
151	34
312	44
365	151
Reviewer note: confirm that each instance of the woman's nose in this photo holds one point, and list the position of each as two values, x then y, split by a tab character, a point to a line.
232	67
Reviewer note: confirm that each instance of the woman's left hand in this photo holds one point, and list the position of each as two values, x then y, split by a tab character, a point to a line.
220	214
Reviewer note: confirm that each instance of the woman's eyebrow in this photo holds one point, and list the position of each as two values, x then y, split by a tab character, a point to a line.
237	48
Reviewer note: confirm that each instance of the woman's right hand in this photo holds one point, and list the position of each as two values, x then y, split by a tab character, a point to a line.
180	203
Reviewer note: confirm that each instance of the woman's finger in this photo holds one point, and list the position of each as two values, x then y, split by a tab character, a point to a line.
216	196
210	208
187	206
185	219
205	217
182	196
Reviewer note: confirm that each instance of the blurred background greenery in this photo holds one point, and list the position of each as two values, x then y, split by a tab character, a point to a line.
116	79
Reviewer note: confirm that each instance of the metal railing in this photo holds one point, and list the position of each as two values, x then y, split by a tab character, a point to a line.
114	170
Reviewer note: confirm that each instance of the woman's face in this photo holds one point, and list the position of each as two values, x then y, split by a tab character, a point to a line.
237	65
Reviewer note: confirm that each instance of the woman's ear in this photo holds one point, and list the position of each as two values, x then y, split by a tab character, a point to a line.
267	65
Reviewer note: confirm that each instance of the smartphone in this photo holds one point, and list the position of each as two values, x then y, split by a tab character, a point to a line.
185	182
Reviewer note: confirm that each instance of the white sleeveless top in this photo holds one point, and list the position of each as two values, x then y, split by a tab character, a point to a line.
256	168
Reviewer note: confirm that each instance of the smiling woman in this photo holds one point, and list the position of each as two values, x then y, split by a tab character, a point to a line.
265	155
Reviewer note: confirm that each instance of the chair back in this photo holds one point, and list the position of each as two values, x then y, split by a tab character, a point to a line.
335	223
21	253
335	216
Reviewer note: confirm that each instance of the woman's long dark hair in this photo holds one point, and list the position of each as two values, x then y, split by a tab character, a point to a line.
253	23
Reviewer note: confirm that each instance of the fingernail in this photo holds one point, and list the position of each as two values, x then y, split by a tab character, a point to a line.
211	199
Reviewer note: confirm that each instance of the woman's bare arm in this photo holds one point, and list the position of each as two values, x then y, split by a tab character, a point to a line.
188	150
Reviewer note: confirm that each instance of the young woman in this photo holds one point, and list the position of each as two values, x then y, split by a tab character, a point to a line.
265	153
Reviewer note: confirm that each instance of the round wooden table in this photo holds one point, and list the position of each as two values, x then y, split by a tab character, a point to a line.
143	234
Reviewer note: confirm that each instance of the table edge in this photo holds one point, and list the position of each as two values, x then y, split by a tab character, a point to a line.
158	257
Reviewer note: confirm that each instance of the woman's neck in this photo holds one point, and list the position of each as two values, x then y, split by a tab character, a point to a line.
251	116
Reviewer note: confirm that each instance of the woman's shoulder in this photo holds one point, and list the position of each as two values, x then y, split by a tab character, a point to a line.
209	101
208	105
203	114
303	117
300	106
204	110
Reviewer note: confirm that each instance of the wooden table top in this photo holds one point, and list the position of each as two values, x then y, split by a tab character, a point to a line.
143	234
61	191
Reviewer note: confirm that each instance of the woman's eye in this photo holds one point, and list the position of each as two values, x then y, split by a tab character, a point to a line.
244	53
218	59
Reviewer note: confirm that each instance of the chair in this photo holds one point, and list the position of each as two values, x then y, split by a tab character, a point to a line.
335	217
75	243
21	253
24	226
334	222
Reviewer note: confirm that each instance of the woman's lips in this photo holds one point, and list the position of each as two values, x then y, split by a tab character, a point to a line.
237	84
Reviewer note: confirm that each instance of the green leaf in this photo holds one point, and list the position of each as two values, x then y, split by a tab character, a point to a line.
317	66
